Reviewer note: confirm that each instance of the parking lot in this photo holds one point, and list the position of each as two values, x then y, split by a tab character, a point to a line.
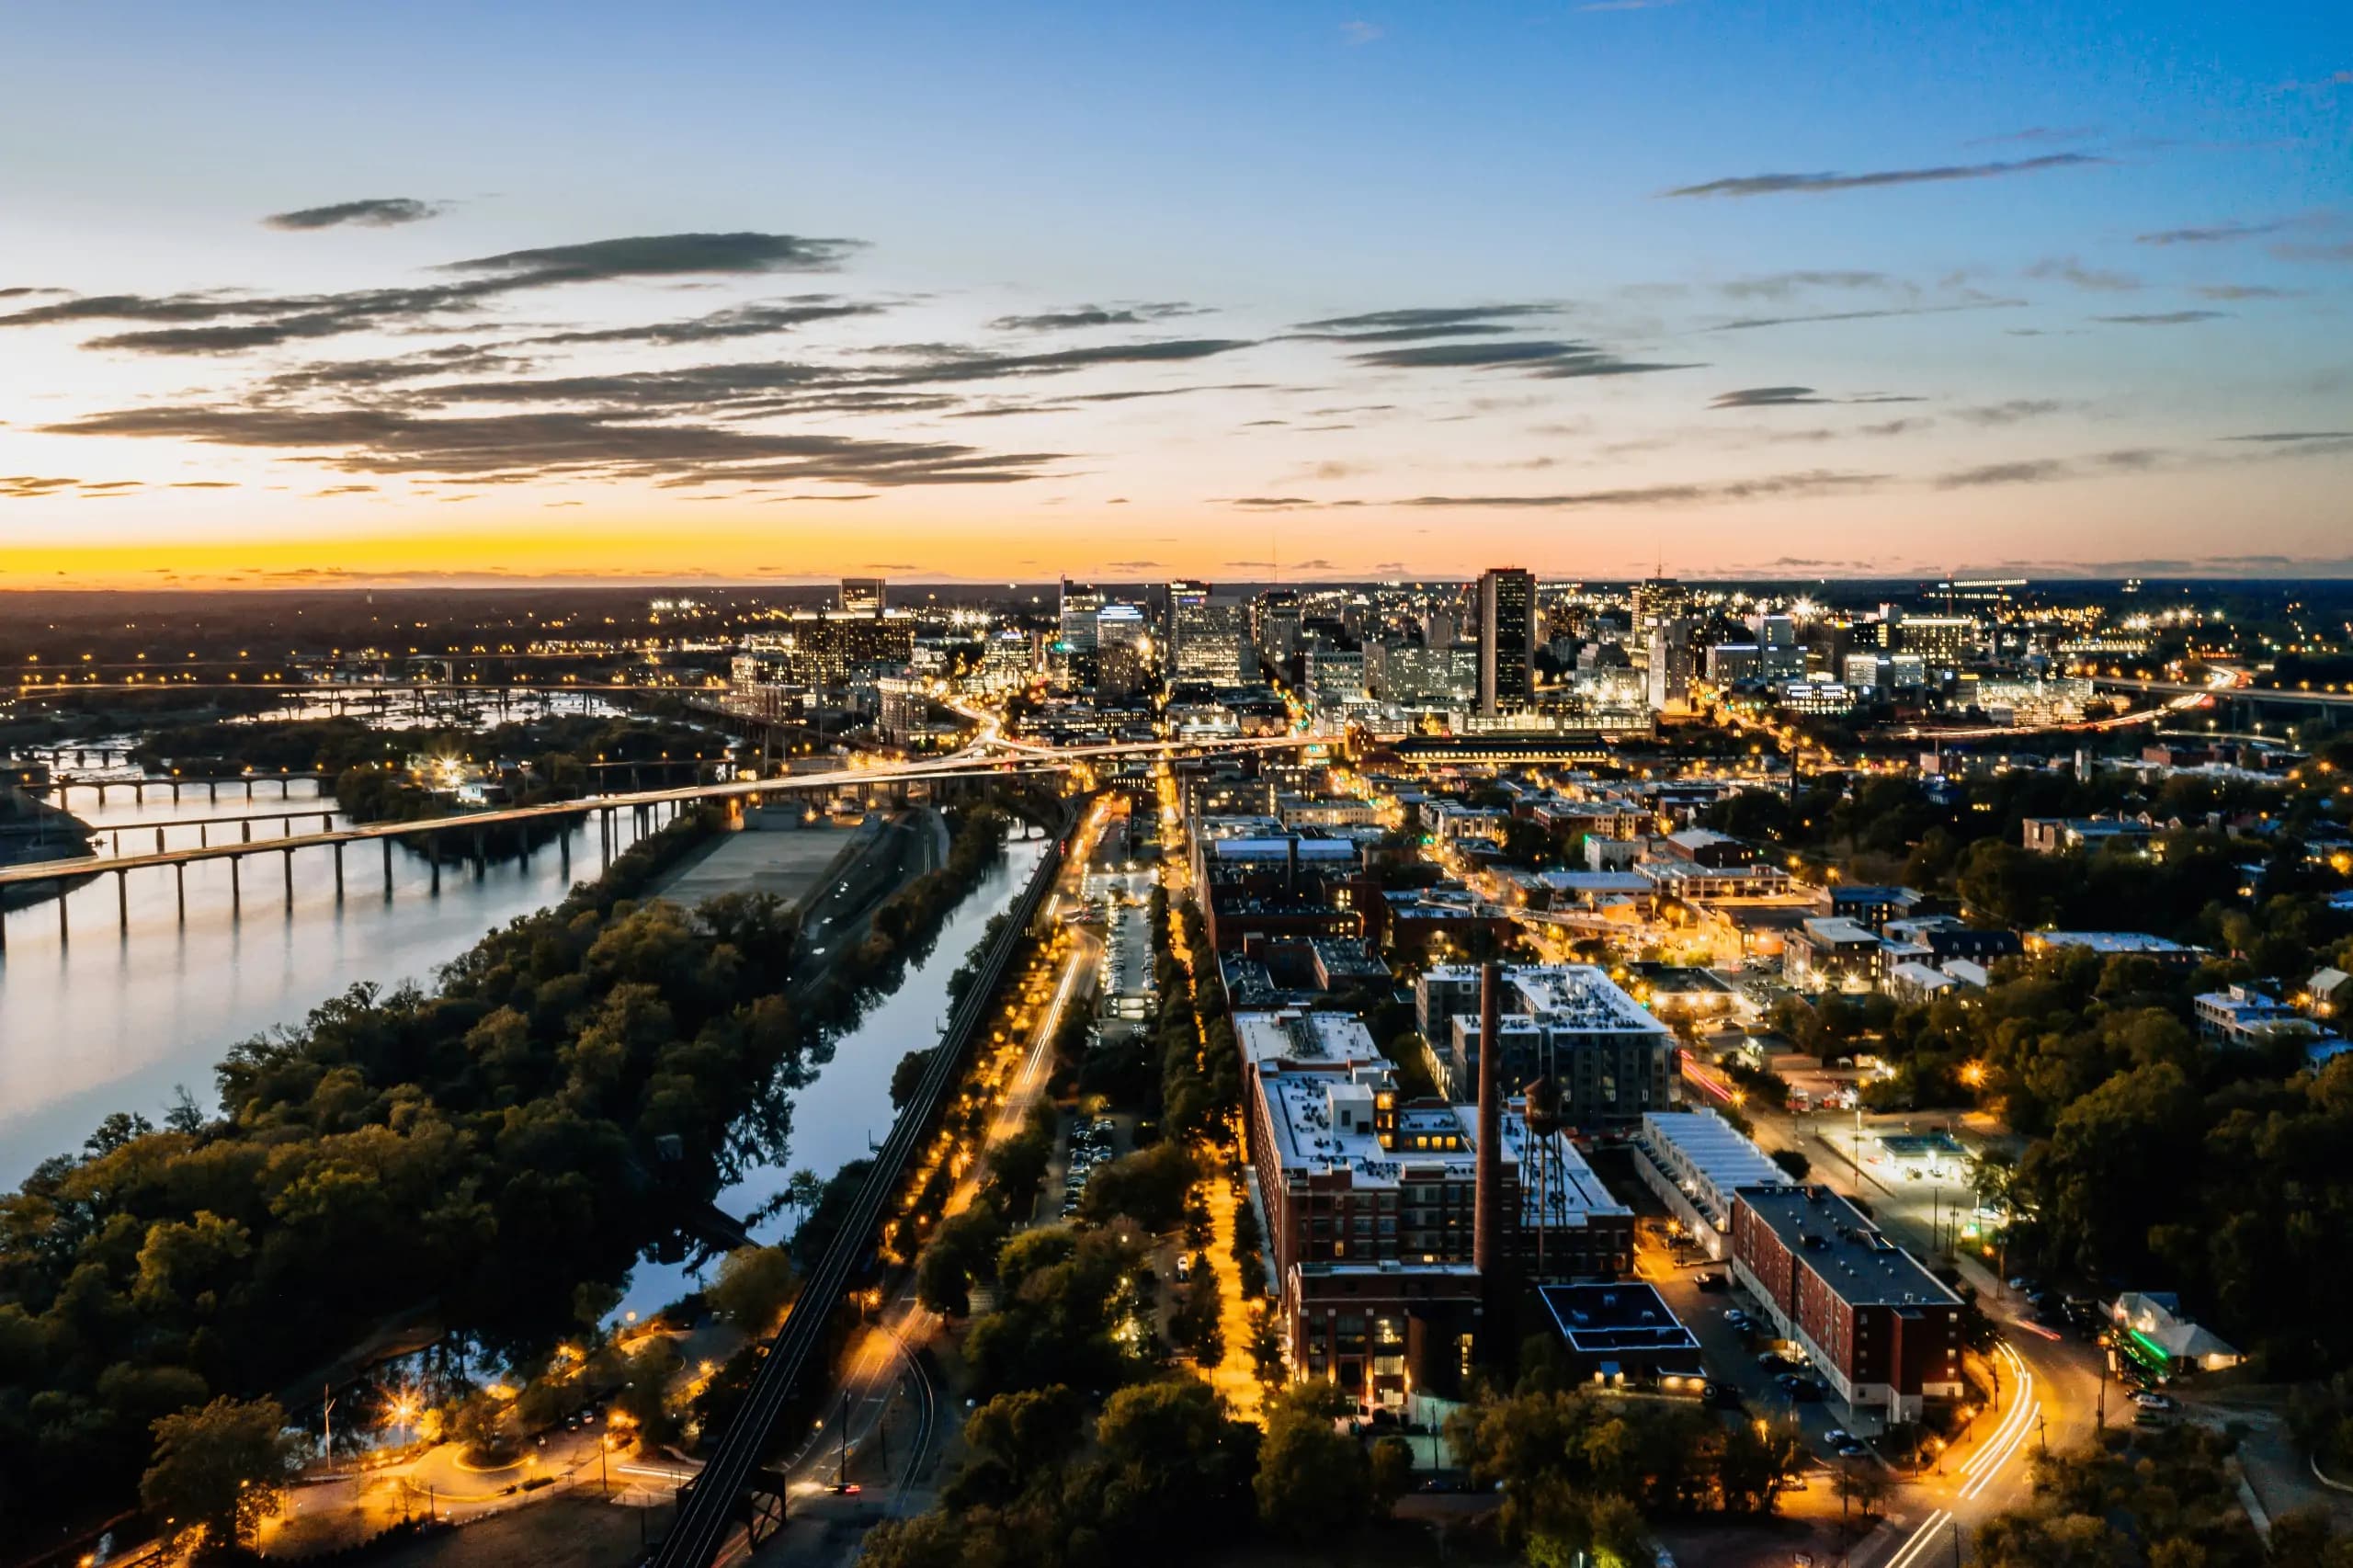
1092	1141
1751	1368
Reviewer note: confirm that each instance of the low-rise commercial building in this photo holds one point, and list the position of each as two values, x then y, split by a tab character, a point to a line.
1698	1162
2239	1015
1834	954
2058	836
1623	1336
2116	944
2155	1332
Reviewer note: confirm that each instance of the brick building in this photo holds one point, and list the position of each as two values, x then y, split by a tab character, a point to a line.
1881	1329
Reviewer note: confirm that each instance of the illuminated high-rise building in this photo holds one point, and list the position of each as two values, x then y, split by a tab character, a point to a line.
1207	641
1506	638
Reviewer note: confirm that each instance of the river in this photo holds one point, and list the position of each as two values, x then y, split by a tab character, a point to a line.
114	1021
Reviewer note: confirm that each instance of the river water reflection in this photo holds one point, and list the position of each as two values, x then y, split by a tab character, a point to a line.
112	1020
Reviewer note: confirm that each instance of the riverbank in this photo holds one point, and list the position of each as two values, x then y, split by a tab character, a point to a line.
502	1145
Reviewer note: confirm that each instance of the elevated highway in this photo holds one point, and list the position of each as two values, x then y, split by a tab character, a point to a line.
647	806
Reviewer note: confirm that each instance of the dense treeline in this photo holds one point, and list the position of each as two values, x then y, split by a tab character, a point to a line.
482	1147
2155	1158
496	1151
334	745
2164	1497
1968	843
1580	1472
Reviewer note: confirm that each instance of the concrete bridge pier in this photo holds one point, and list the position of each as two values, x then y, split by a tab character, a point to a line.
236	887
388	871
289	853
122	901
179	876
339	874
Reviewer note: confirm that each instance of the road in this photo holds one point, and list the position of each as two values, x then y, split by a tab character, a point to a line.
2048	1384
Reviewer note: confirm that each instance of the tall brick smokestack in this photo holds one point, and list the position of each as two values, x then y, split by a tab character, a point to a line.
1487	1212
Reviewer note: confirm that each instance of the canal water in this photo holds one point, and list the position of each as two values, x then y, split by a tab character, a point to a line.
114	1021
845	1110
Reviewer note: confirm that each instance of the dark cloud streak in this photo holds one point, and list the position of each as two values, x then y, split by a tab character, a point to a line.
1806	184
370	213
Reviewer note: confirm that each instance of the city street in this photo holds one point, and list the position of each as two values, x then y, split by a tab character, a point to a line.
2048	1382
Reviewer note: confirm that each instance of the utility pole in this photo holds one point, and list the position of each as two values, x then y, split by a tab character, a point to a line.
2040	1436
843	1478
326	1424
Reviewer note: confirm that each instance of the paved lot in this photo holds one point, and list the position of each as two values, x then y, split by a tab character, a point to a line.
784	861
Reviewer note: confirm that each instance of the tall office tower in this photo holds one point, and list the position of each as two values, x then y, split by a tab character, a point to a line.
1657	599
1206	646
1179	597
1943	642
1779	657
1075	633
1674	660
1276	631
1506	638
863	596
1123	651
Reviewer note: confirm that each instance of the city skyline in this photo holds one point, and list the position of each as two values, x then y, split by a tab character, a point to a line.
1343	292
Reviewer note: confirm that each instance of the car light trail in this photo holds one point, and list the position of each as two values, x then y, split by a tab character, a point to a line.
1987	1461
1915	1546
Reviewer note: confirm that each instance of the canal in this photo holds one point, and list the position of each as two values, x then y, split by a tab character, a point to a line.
846	1108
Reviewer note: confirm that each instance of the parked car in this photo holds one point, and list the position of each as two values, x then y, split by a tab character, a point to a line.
1736	1317
1837	1435
1711	1281
1851	1449
2148	1399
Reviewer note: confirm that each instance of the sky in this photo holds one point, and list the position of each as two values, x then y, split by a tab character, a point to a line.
294	294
